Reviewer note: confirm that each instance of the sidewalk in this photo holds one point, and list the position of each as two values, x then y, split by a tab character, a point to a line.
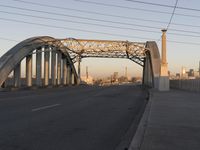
171	122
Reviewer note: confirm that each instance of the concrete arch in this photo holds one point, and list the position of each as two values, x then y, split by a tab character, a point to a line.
152	63
13	57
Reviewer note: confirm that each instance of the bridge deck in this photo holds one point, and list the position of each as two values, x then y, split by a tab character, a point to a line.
90	118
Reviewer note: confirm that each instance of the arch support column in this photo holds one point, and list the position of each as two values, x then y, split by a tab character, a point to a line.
17	75
46	68
29	70
72	78
147	72
53	67
64	71
69	75
79	69
59	68
38	68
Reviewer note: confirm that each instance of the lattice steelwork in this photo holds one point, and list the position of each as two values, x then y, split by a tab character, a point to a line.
106	49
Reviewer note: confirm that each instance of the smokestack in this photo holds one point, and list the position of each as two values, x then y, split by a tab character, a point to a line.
126	74
86	72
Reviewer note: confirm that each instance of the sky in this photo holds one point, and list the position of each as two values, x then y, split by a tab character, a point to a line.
19	20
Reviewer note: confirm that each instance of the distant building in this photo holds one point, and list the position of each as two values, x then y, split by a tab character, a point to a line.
184	73
199	69
87	79
178	75
191	73
115	77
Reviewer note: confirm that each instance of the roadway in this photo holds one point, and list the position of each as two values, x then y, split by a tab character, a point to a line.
74	118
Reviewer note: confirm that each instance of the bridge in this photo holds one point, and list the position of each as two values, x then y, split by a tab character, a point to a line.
53	60
92	117
74	117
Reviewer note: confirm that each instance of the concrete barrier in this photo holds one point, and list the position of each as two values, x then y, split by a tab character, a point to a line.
188	84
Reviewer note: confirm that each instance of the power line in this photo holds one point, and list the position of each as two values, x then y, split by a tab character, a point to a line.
188	35
73	29
116	27
94	19
109	26
7	39
162	5
125	7
186	43
110	15
149	3
80	22
133	8
172	15
135	1
112	34
89	12
80	17
186	25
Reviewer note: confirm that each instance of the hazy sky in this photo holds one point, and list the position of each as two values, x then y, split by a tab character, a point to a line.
14	12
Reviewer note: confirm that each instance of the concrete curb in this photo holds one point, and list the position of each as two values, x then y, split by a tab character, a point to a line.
138	138
127	138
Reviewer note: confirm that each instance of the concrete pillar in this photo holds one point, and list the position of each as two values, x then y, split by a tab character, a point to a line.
38	68
79	69
72	78
164	65
164	53
147	72
29	70
53	67
164	78
69	75
64	71
46	68
59	68
17	75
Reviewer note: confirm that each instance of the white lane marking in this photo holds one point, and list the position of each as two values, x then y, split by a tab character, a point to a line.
45	107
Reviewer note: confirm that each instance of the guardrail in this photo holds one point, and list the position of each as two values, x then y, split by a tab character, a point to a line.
188	84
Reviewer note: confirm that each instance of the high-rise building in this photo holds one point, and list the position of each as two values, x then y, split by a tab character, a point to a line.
191	73
183	73
199	68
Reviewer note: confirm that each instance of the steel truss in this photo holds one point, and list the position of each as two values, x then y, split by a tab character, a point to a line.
80	48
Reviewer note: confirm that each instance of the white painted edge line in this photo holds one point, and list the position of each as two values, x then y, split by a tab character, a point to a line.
45	107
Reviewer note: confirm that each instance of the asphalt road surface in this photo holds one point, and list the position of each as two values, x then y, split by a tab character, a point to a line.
70	118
